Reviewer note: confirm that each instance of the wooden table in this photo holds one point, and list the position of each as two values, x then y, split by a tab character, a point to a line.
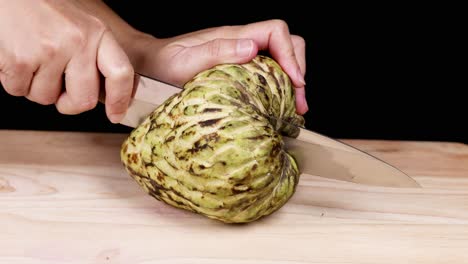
65	198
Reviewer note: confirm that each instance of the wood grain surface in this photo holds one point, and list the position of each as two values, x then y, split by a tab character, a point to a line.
65	198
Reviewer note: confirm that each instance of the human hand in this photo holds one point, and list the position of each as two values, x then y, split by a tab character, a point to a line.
45	44
176	60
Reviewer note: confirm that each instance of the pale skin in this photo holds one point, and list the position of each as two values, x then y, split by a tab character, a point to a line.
63	52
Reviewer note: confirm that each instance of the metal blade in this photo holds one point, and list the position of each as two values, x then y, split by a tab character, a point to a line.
323	156
148	94
344	164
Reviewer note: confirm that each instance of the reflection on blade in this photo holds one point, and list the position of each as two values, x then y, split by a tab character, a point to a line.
357	167
148	94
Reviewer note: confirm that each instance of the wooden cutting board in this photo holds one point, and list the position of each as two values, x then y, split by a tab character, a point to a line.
65	198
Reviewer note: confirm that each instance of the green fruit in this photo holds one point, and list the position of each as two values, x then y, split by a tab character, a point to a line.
212	148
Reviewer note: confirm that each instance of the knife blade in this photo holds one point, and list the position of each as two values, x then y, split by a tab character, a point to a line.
323	156
316	154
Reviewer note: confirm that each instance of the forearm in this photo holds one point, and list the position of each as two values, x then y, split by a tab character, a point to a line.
129	38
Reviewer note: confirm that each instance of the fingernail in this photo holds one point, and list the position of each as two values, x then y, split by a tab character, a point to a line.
116	118
301	100
244	47
304	103
300	77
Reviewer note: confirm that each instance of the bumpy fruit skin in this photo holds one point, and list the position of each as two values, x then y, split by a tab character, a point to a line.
212	149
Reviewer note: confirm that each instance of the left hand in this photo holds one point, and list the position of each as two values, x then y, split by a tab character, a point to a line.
176	60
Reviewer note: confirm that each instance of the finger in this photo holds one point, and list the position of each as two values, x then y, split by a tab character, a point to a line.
47	84
115	66
299	50
16	78
299	46
301	102
206	55
81	83
274	36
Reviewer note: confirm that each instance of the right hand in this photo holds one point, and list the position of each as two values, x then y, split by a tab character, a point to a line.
45	44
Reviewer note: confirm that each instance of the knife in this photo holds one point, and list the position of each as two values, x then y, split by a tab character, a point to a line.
315	153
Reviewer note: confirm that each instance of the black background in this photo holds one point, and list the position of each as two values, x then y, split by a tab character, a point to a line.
373	72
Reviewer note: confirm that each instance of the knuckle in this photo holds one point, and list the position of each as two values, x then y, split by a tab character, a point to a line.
214	47
15	90
45	100
289	52
280	25
77	37
61	110
97	24
87	104
299	41
118	103
15	77
83	104
65	110
19	65
119	97
122	71
221	30
49	49
41	99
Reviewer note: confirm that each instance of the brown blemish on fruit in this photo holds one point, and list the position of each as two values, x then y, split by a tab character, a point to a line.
259	137
188	133
160	177
261	79
209	122
210	110
134	158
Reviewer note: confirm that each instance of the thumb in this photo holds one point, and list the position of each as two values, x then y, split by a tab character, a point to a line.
214	52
